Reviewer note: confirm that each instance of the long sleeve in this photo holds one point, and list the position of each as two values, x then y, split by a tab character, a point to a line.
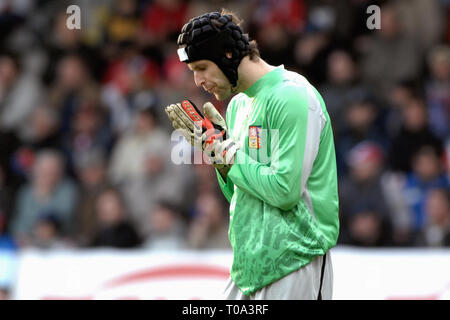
279	182
226	186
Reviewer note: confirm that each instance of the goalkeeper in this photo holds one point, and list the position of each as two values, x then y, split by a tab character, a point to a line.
275	162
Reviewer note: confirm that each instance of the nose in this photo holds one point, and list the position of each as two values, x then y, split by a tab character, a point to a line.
198	79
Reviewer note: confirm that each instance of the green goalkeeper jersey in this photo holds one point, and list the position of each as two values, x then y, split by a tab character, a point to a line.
282	188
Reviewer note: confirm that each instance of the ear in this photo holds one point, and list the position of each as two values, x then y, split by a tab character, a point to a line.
228	54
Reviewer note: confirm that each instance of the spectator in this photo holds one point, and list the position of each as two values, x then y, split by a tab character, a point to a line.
60	41
161	180
365	216
360	124
131	71
177	87
426	175
114	229
366	228
42	132
19	92
167	229
275	25
209	226
205	175
124	21
144	135
436	232
310	55
88	132
399	97
391	55
91	171
71	88
425	34
414	134
342	86
48	190
46	232
438	91
12	15
126	76
162	20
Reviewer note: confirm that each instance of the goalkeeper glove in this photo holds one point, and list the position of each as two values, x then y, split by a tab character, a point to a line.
189	120
206	131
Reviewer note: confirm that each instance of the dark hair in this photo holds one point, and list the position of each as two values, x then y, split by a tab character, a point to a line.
427	149
50	217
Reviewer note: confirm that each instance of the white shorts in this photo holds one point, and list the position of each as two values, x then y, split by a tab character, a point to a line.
311	282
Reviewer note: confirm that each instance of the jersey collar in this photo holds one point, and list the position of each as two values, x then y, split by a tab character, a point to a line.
267	80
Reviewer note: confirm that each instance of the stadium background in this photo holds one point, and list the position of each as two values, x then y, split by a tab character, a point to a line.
85	161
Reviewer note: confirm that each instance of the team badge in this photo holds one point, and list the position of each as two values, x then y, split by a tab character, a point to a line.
254	137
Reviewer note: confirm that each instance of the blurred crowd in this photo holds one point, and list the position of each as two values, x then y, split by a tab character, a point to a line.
86	146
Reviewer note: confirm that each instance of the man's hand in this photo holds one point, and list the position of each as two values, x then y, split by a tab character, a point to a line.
198	130
206	132
222	150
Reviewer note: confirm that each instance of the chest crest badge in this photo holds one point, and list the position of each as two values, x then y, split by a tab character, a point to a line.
254	137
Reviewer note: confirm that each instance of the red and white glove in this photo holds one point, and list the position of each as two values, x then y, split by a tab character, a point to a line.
206	132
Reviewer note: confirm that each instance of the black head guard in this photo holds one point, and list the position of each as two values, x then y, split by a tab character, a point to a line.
200	39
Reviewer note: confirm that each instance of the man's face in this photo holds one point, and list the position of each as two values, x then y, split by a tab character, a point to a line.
208	75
